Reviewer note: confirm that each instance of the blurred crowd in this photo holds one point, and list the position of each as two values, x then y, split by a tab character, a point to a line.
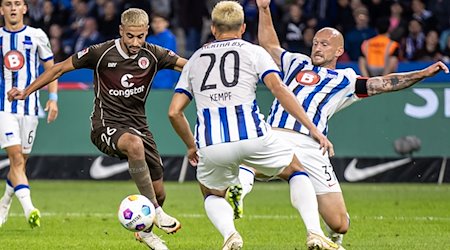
420	27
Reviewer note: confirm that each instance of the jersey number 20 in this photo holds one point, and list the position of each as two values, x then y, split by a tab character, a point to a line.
234	56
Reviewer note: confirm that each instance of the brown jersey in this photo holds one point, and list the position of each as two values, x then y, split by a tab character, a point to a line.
121	82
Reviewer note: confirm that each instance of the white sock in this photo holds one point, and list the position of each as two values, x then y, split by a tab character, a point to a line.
220	214
246	178
9	192
23	195
303	198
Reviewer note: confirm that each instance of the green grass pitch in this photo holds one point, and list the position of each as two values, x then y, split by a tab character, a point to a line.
82	215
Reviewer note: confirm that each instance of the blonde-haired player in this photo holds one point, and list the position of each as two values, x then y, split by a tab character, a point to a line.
123	72
222	77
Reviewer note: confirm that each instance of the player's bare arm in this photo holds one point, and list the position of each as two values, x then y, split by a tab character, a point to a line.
47	77
267	36
293	106
398	81
180	64
181	125
51	106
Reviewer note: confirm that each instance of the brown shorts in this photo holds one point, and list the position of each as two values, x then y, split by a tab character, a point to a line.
106	138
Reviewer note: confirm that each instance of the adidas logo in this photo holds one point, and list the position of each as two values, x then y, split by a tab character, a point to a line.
112	65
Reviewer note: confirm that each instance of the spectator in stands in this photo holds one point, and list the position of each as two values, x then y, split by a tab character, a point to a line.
344	21
57	48
190	15
162	36
379	55
109	19
163	7
35	12
361	32
305	45
414	41
441	13
398	23
431	51
49	16
293	26
89	35
446	51
422	15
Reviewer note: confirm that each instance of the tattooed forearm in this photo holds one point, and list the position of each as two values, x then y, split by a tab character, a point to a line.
392	82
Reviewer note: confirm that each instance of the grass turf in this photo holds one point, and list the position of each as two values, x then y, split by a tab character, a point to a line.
82	215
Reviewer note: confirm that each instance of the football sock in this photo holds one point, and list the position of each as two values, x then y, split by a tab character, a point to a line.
336	237
140	173
9	192
246	178
303	198
23	194
220	214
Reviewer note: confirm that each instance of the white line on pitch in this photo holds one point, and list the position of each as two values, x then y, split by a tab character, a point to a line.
251	217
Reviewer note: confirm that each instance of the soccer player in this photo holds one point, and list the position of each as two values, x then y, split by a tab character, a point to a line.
323	90
123	72
222	77
21	49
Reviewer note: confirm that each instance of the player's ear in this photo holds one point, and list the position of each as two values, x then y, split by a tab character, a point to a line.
243	27
339	51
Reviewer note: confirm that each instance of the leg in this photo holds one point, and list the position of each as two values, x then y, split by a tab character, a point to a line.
133	147
235	194
334	213
221	215
19	181
303	198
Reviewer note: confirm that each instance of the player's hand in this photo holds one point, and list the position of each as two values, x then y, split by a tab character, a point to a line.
16	94
263	3
325	144
192	156
52	108
435	68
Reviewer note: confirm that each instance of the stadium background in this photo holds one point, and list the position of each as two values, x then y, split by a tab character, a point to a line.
365	131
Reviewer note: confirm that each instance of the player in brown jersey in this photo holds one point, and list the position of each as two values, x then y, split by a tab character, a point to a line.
123	72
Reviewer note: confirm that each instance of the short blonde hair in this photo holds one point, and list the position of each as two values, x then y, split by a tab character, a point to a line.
134	17
227	16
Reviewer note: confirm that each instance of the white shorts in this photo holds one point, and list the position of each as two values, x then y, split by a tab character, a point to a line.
317	165
218	166
16	129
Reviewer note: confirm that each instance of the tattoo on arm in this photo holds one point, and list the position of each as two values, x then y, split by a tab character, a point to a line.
392	82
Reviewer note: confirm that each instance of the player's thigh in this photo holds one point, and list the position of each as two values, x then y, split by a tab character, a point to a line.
106	138
218	166
269	155
28	132
17	130
316	164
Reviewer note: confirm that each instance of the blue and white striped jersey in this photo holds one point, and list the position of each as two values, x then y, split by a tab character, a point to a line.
321	91
20	52
222	77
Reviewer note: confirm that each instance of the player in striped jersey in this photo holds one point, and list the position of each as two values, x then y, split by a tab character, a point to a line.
222	77
21	49
323	90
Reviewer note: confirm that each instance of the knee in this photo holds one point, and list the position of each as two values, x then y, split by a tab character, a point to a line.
343	225
132	146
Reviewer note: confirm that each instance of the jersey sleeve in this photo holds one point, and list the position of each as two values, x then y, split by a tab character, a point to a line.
183	84
264	64
44	48
85	58
166	58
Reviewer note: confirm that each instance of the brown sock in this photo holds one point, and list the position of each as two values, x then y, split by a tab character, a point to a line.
140	173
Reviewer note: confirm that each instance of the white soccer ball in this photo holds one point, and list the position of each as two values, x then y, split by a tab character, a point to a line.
136	213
